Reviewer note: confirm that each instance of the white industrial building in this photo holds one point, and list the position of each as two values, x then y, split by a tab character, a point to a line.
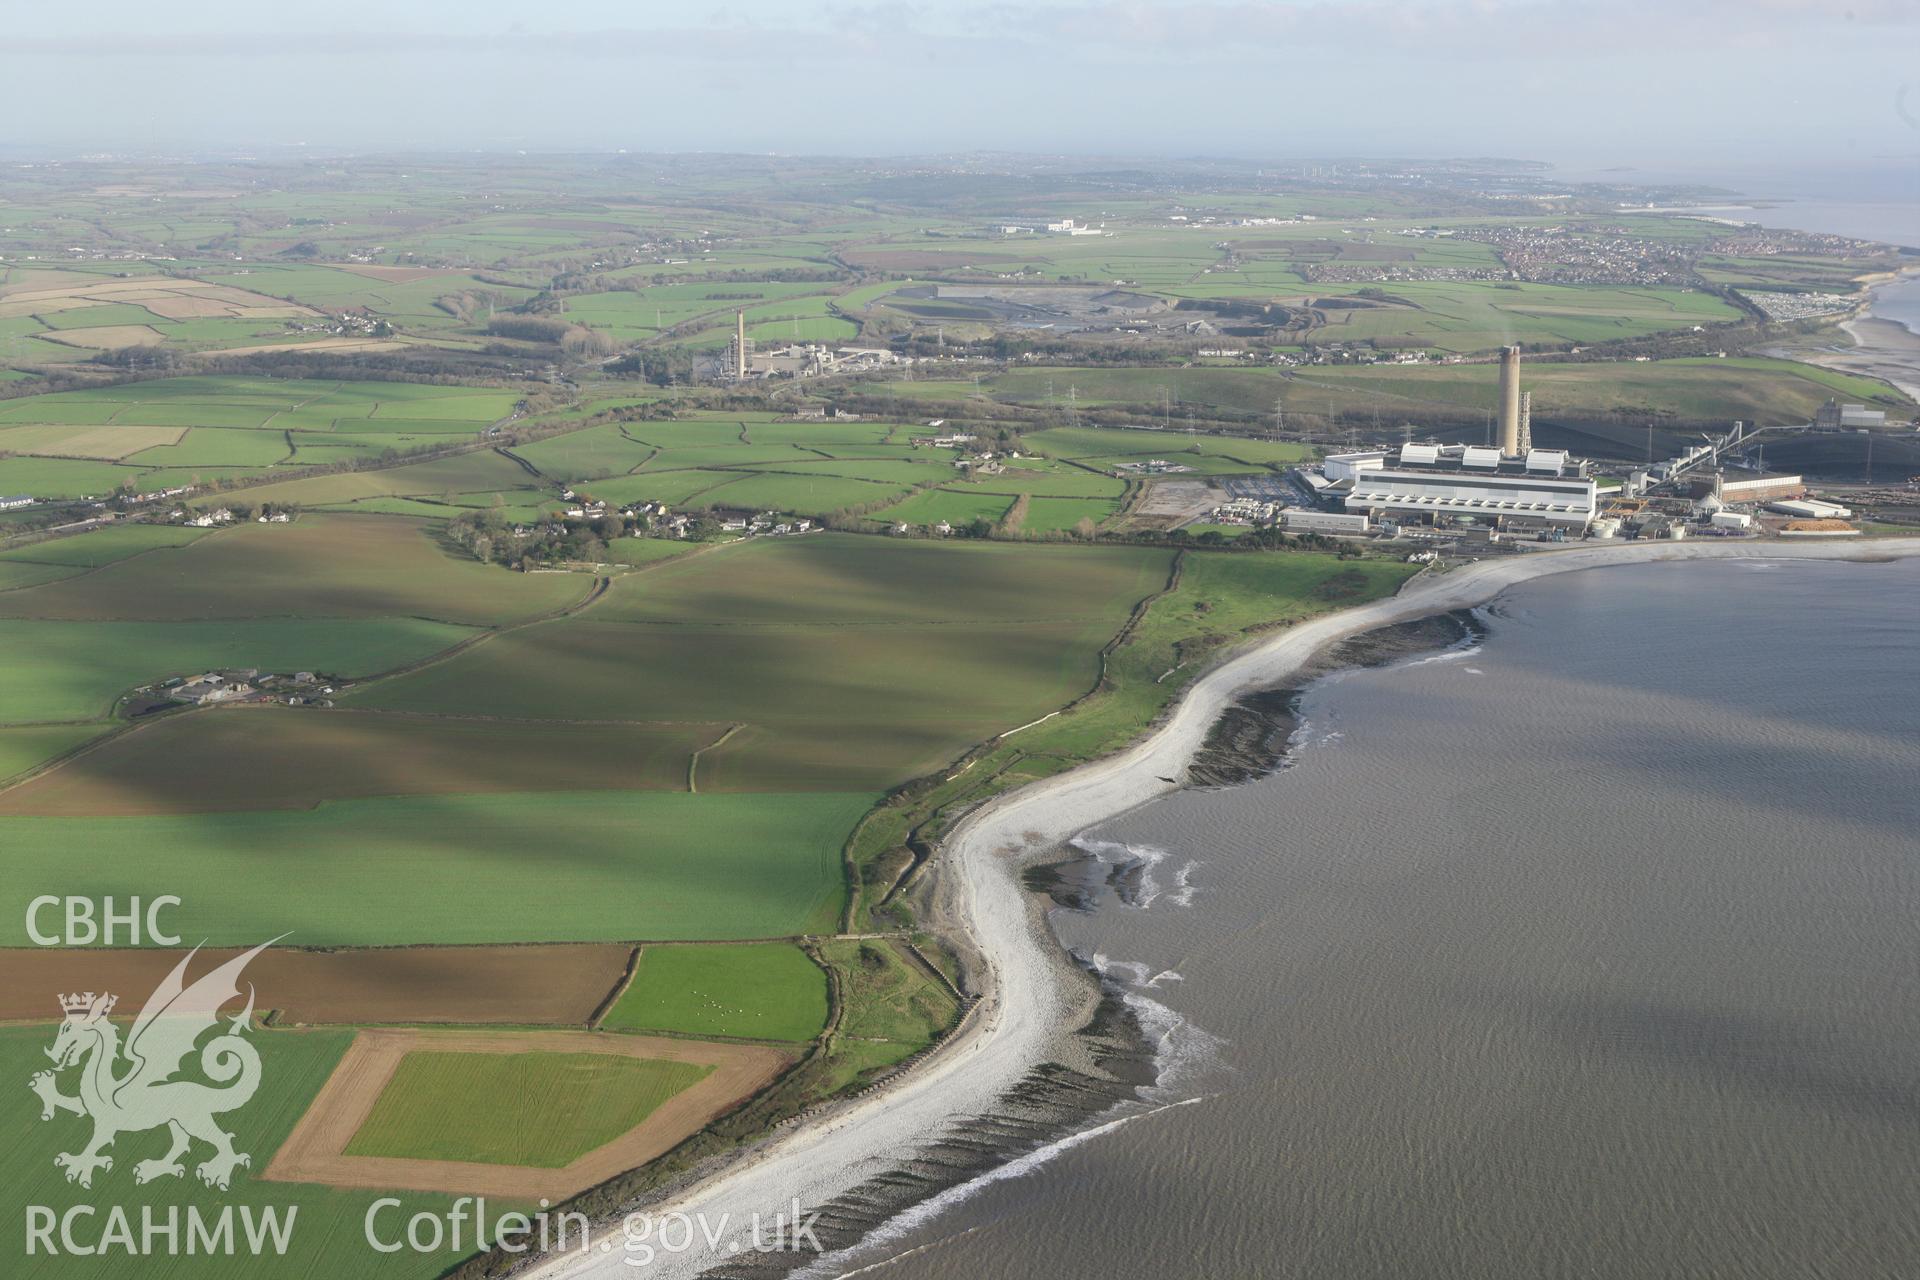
1347	466
1835	416
1466	485
1808	509
1301	520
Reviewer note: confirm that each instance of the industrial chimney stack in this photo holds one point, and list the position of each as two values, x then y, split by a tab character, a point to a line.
740	347
1510	401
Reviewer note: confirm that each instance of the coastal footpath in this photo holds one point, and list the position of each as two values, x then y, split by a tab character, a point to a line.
1027	1002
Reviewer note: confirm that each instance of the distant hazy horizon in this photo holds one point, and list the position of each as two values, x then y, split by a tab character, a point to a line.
1723	83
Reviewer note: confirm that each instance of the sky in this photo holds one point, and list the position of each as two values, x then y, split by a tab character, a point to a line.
1676	83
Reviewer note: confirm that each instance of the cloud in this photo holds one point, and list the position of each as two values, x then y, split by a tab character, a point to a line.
1216	30
1490	28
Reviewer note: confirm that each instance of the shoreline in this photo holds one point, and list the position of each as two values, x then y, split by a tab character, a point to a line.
1882	348
1024	1005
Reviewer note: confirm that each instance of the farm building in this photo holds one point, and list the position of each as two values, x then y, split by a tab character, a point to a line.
210	688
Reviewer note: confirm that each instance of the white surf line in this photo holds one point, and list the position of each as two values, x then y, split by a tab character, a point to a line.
914	1252
932	1208
1024	1005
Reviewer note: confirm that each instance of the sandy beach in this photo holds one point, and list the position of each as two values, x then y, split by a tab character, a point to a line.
1025	1006
1882	348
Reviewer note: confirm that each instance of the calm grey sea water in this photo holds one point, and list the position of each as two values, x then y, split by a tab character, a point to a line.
1873	200
1593	951
1899	301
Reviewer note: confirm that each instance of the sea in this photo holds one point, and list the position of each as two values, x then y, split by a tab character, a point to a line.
1869	200
1583	946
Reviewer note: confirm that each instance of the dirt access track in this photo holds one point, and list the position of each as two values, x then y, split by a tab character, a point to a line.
315	1150
555	985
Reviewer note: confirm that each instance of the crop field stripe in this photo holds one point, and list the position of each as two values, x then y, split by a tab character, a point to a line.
610	865
561	985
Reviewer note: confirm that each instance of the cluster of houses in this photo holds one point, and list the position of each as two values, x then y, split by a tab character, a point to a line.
584	508
951	440
224	515
654	518
768	522
302	688
983	463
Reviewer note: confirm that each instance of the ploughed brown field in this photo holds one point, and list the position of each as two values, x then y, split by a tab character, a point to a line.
551	985
276	757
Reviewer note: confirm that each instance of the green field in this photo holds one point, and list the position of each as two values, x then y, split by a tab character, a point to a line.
529	867
769	991
298	758
103	546
645	551
893	1010
24	746
1103	443
236	427
958	507
1058	515
910	650
581	455
481	472
17	573
326	1239
539	1109
840	578
1754	390
320	567
73	670
805	495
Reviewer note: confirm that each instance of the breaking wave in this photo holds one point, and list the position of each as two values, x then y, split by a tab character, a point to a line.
1132	871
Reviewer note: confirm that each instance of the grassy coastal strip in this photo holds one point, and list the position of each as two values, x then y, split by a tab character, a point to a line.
1212	601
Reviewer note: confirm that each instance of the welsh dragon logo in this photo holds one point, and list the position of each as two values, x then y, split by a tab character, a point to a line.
131	1088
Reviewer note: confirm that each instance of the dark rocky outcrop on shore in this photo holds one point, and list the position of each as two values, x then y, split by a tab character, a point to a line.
1254	737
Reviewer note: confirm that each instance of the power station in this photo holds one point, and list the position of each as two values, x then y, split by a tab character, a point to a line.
1512	488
